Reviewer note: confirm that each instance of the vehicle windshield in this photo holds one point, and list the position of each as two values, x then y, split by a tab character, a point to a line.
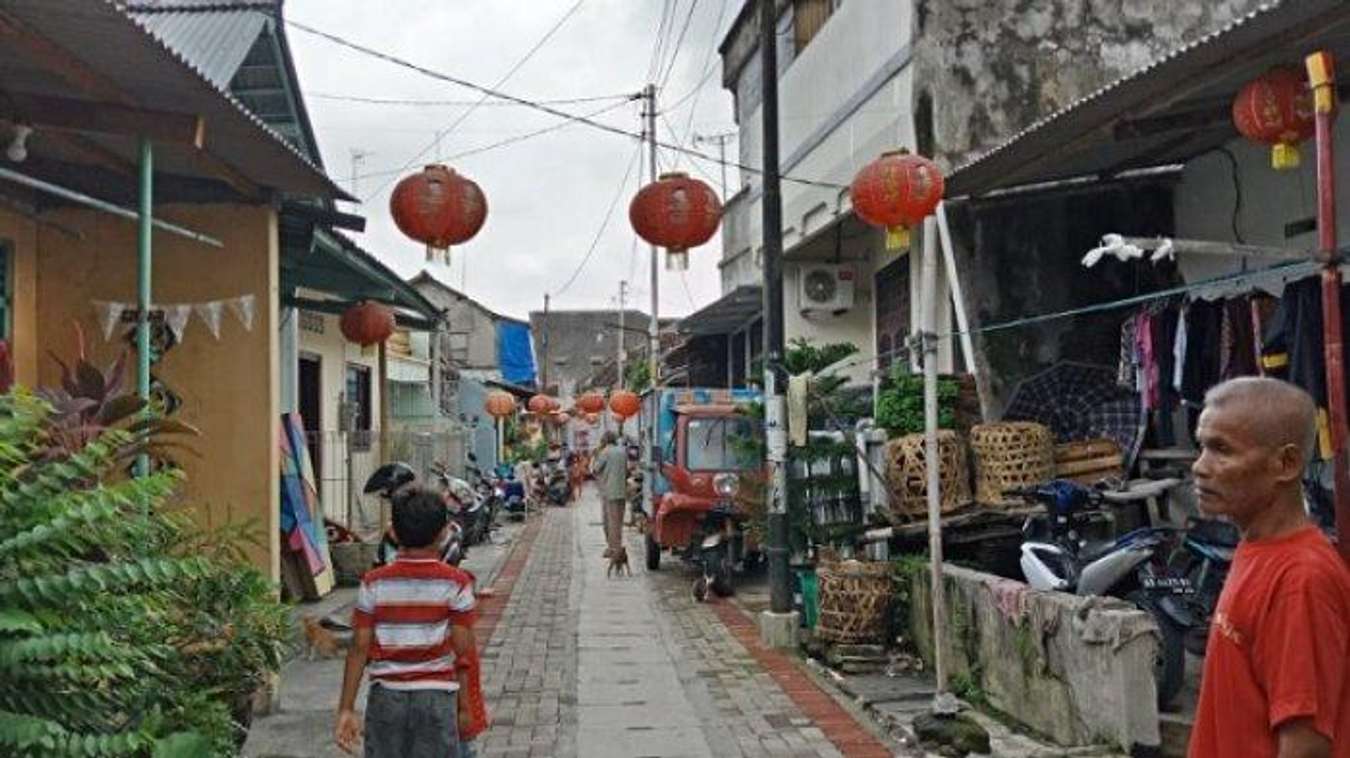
720	444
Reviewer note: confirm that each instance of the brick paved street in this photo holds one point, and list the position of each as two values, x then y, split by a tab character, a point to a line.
583	665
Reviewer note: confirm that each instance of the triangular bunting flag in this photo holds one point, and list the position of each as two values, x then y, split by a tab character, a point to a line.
242	308
109	313
210	313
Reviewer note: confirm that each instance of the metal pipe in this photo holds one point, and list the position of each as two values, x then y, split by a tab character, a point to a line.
1322	78
103	205
145	200
653	325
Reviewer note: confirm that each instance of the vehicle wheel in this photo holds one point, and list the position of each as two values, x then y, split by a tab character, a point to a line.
700	589
1169	667
653	554
721	574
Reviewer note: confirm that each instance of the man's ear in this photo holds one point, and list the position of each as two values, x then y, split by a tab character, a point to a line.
1290	464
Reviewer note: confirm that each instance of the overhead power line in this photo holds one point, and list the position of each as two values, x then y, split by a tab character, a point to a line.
679	44
444	103
469	111
604	224
705	73
508	141
539	106
658	52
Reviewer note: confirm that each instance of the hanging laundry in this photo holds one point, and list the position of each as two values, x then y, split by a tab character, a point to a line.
1236	354
1204	331
1179	350
1128	371
1148	364
1293	348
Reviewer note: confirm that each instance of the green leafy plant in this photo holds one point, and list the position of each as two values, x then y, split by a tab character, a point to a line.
122	632
802	356
900	403
637	376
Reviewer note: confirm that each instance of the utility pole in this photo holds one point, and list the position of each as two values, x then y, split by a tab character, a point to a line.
653	330
543	353
780	623
623	305
721	139
359	156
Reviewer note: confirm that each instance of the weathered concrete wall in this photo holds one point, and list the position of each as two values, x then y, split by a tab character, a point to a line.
992	67
1076	669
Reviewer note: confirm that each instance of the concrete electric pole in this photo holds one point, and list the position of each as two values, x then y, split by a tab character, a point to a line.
721	139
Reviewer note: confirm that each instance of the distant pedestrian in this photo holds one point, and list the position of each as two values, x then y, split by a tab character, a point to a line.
1277	665
414	636
611	473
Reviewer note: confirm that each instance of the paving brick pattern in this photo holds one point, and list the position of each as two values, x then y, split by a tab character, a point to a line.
581	664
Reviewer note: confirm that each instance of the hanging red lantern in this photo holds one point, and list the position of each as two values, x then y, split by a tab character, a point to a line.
560	419
1276	109
499	404
677	213
541	405
897	191
624	404
367	323
591	402
438	208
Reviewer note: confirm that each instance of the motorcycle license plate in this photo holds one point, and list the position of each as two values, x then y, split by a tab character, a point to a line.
1176	585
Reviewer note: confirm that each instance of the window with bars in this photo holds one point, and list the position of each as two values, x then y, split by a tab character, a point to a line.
358	394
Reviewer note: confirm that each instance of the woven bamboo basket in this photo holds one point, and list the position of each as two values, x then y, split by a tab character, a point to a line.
1010	455
907	474
855	601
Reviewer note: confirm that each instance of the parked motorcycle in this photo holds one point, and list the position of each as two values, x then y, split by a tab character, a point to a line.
557	484
1205	556
386	482
1056	556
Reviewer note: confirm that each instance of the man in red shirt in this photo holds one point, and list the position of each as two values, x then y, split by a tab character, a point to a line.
413	627
1277	666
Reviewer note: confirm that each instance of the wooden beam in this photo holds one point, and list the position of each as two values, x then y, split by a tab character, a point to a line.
92	151
108	118
335	219
52	57
228	174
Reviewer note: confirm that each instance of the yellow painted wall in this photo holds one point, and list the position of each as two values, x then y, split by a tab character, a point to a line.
20	234
229	386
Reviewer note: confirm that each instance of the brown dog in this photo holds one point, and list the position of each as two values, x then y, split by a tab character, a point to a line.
319	642
618	564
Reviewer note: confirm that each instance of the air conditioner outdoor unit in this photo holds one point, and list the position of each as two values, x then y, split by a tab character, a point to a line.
825	287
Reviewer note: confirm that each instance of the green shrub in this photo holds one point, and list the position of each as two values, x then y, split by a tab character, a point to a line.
122	630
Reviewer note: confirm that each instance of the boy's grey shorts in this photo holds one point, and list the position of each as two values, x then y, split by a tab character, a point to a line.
411	724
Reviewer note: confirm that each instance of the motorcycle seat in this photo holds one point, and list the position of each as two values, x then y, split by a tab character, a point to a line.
1095	549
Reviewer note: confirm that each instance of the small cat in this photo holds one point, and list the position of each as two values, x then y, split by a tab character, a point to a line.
318	642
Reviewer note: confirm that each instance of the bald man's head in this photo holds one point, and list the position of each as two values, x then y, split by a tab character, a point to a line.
1282	413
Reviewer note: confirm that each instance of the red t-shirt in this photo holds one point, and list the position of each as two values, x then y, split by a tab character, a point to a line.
411	604
1279	649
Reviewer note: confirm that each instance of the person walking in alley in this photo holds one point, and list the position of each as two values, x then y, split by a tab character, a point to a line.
1277	667
611	474
413	634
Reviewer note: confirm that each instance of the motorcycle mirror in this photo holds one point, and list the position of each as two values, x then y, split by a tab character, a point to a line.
473	457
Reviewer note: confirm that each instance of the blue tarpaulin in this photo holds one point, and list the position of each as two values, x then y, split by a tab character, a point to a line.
515	353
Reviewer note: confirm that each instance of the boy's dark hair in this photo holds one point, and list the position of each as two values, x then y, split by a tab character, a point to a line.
419	516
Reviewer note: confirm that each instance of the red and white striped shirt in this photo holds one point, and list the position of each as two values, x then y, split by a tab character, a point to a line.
411	604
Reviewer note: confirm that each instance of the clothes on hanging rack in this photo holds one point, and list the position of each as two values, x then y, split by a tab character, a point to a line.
1293	348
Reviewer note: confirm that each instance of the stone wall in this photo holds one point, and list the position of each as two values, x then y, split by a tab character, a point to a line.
1078	670
986	69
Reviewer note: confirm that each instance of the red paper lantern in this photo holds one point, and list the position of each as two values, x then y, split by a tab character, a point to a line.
499	404
677	213
591	402
1276	109
542	405
367	323
897	191
438	208
624	403
559	419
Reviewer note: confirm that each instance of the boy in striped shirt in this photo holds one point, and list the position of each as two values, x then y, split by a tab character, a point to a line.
413	635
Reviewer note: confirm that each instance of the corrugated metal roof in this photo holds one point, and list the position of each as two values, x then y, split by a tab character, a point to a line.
214	38
106	39
1192	86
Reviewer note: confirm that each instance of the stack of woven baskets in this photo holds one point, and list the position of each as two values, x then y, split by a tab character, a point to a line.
855	601
1006	456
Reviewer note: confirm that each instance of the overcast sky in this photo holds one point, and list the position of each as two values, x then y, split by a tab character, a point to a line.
547	196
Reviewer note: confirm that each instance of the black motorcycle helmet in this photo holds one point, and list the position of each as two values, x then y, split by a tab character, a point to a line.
389	478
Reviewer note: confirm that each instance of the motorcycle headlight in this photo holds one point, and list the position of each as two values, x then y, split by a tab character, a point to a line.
726	485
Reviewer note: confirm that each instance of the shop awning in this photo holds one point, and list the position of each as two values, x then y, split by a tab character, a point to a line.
92	80
1166	113
727	315
316	258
